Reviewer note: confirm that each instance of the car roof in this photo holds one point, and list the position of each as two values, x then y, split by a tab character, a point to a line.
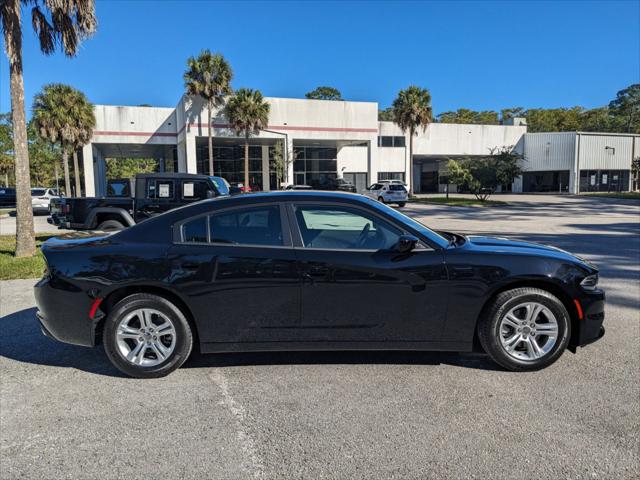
172	175
282	195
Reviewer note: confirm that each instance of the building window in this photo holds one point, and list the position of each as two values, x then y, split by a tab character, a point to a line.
315	165
388	141
398	142
228	162
390	176
385	141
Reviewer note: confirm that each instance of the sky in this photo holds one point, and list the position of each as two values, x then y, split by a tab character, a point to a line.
482	55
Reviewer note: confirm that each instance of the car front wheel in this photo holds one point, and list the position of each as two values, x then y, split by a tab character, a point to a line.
146	336
525	329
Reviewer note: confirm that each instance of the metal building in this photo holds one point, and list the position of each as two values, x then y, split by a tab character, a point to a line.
577	162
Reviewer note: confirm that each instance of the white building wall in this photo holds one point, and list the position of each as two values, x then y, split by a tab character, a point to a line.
605	152
352	159
462	139
549	151
115	124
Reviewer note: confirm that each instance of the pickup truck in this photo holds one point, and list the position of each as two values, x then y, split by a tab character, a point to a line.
153	193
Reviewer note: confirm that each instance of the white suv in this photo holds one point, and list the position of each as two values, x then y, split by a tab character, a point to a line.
41	198
388	192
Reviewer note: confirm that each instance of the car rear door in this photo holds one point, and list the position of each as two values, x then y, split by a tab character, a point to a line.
356	287
239	272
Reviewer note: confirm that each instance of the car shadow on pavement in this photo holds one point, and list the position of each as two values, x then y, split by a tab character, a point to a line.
21	340
477	361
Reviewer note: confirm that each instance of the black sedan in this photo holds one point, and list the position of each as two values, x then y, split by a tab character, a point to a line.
311	271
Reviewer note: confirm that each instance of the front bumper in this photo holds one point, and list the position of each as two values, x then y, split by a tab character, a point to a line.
63	313
590	327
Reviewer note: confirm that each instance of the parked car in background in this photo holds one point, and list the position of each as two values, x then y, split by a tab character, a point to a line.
388	192
395	181
41	199
298	187
334	184
311	271
130	202
7	197
238	187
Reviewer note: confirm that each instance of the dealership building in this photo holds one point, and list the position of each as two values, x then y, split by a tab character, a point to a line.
329	139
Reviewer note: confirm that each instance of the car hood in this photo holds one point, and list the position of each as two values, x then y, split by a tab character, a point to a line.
496	244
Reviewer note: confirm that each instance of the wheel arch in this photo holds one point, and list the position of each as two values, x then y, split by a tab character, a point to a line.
102	214
114	297
549	286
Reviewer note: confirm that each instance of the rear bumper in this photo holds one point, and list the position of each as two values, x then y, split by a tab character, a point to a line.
63	313
61	222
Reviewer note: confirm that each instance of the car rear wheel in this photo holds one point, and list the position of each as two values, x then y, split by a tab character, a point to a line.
525	329
146	336
401	204
110	226
381	199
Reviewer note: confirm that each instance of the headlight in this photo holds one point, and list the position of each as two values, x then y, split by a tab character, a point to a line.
590	283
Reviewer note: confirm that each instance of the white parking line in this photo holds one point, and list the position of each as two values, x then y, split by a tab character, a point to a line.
253	465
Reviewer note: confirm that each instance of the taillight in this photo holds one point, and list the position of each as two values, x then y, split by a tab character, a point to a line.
66	208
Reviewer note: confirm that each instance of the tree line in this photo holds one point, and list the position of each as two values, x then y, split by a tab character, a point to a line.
621	115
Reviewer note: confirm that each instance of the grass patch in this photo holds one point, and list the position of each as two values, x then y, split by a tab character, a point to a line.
12	268
459	201
4	211
625	195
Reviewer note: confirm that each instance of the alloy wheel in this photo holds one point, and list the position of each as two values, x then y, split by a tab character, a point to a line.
528	331
146	337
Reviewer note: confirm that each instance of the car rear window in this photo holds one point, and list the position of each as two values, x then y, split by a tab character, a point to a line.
396	188
38	192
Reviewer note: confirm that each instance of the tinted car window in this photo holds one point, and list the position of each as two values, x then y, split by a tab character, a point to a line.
38	192
396	188
221	184
118	188
162	189
194	190
248	226
338	227
195	230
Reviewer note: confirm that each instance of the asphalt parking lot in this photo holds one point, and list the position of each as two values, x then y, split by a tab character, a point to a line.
65	412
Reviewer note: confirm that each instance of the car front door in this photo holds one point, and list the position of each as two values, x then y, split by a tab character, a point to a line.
372	191
356	286
239	272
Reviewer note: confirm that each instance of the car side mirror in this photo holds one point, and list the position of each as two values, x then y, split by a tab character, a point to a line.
210	194
406	243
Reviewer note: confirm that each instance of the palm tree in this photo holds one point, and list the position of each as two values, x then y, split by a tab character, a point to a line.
209	76
412	110
56	23
63	115
247	112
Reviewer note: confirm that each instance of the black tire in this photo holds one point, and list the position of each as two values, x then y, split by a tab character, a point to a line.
381	199
110	226
401	204
183	336
489	328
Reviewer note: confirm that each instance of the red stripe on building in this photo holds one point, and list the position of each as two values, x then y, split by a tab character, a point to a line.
134	134
105	133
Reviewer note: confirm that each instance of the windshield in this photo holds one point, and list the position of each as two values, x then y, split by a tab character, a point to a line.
414	224
221	184
37	192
